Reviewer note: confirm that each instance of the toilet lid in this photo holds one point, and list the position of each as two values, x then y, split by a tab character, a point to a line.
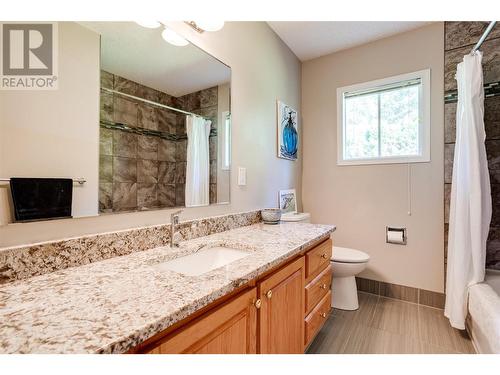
346	255
295	216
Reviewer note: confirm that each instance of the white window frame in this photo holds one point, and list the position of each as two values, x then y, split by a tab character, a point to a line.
225	137
424	116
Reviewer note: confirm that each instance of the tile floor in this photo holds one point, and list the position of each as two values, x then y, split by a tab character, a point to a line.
386	326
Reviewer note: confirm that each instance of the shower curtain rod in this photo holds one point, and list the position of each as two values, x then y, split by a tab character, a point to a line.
484	36
150	102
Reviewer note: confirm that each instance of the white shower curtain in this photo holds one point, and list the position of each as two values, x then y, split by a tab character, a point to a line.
470	204
198	161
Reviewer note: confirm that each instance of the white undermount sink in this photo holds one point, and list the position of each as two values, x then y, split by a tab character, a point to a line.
203	261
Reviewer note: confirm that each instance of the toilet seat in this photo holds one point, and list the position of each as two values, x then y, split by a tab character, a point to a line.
346	255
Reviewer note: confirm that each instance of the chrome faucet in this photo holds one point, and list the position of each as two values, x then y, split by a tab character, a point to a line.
174	220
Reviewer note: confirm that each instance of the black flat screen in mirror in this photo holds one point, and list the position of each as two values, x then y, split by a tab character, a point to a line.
41	198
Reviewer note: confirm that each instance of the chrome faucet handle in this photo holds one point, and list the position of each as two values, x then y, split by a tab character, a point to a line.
174	217
174	220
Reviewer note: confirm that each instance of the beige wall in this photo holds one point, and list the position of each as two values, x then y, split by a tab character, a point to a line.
55	133
362	200
263	69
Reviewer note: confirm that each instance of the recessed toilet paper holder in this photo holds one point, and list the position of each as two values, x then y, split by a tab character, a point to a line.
395	235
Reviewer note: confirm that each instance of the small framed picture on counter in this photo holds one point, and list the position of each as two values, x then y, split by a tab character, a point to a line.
288	201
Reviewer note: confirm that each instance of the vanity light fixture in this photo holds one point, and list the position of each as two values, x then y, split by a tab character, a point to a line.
201	26
167	34
172	37
149	24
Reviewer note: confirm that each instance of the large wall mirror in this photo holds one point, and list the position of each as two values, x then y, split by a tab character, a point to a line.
163	127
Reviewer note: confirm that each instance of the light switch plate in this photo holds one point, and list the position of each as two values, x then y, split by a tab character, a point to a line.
242	176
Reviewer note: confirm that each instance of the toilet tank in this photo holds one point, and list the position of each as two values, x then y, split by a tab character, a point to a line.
296	217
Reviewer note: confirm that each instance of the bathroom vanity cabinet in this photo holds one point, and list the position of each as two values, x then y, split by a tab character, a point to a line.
280	312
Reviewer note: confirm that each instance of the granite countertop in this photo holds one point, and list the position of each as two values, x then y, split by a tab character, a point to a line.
112	305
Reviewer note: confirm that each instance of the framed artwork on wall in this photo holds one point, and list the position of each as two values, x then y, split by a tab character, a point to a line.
288	201
288	131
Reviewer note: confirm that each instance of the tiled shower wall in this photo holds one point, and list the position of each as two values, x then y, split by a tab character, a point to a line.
460	37
139	171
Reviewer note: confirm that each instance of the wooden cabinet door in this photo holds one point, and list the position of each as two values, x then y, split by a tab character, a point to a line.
281	316
230	329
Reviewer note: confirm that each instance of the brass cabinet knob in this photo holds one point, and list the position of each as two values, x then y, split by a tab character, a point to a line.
323	315
324	286
258	303
324	256
269	294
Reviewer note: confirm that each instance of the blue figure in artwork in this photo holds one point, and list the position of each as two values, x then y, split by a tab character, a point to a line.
290	136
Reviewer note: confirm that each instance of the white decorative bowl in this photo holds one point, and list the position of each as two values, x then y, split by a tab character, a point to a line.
271	215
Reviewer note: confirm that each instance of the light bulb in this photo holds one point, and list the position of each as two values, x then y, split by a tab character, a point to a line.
210	25
172	37
149	24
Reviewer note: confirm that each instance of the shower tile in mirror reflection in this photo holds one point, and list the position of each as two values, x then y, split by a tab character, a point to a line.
107	79
180	172
146	117
181	150
180	194
166	172
106	109
166	195
105	196
166	120
106	142
125	85
166	150
208	97
147	147
105	168
125	111
147	171
124	144
147	196
124	170
124	196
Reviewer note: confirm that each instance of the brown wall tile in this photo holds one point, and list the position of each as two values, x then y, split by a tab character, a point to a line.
367	285
459	34
432	299
401	292
491	63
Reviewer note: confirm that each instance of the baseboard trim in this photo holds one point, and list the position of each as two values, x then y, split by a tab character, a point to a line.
401	292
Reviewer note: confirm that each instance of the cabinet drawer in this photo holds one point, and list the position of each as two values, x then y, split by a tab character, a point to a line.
315	320
318	258
317	288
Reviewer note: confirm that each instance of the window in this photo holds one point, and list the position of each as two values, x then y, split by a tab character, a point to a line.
385	121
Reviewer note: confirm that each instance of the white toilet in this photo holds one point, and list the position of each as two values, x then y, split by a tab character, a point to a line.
346	263
291	217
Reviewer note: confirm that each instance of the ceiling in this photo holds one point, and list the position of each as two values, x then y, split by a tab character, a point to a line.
141	55
309	40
